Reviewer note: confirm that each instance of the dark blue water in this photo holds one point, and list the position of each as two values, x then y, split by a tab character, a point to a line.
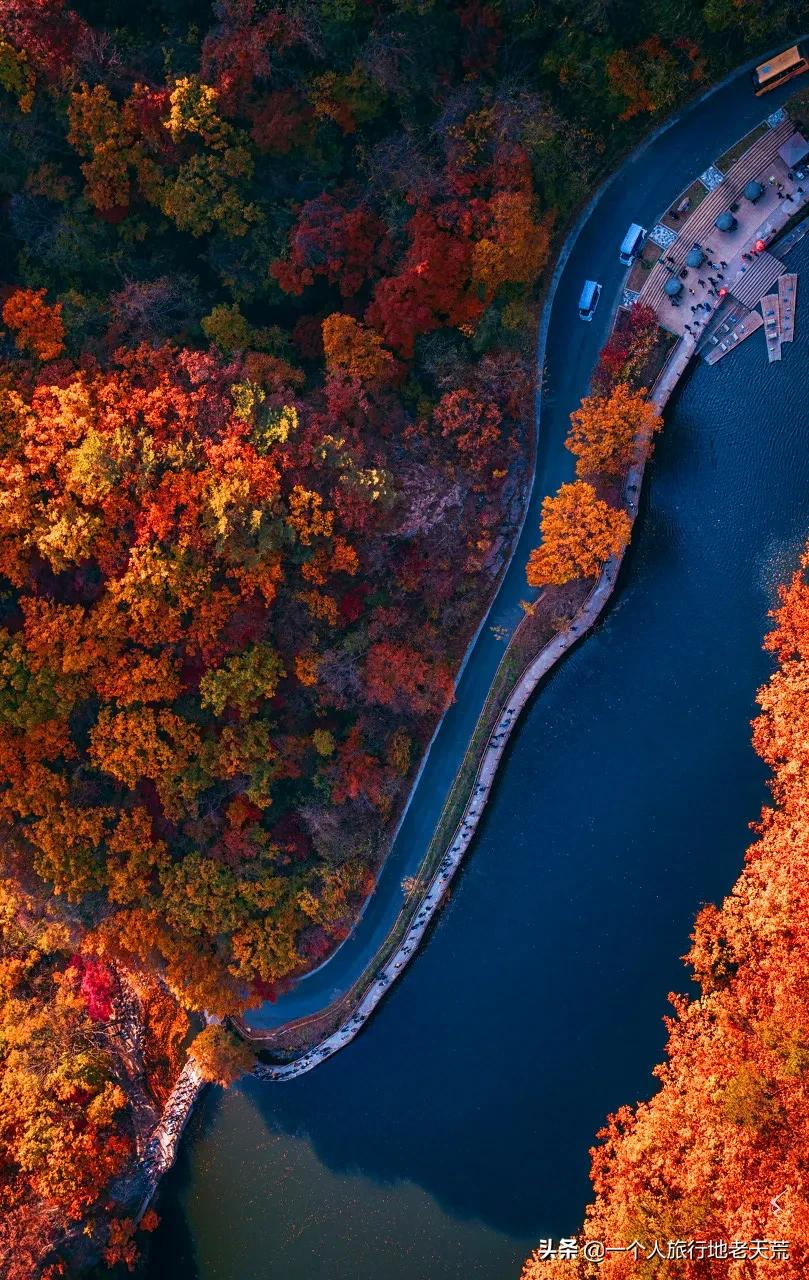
455	1130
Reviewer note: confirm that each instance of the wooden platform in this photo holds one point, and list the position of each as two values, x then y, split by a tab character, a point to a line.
787	297
772	325
734	337
758	279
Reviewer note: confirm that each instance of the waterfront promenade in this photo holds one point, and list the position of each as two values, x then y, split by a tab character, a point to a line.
735	271
765	222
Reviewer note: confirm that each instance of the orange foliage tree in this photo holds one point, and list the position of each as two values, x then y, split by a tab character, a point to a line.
144	655
221	1056
65	1121
353	350
515	248
580	532
37	327
607	432
399	676
651	76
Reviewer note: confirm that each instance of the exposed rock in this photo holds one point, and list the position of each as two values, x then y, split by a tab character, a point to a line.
426	500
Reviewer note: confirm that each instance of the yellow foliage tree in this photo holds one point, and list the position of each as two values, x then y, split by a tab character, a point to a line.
221	1056
354	350
517	246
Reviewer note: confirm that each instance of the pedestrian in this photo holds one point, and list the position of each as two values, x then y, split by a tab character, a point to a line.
702	282
690	290
721	276
722	262
693	310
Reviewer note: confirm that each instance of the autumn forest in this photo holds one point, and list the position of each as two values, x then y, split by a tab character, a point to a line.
271	277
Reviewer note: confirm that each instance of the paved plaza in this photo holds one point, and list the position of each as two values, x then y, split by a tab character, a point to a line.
731	264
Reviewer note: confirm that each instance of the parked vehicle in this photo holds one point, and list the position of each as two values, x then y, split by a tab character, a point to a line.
588	301
792	62
632	244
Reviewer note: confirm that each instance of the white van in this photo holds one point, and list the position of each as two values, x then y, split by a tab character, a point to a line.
632	244
588	301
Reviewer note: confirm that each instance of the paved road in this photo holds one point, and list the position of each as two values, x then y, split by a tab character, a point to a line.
645	185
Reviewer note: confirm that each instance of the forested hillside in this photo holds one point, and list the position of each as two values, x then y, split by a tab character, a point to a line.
266	374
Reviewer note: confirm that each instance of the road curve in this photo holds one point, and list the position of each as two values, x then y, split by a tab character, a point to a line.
645	183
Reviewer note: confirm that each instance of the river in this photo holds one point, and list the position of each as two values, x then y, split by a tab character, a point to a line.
453	1132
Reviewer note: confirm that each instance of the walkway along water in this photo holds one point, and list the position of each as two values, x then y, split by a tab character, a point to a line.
356	1005
497	742
484	777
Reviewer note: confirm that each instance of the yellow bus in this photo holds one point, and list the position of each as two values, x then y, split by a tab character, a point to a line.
768	75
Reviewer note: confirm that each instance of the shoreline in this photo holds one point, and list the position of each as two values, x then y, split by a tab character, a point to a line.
356	1005
366	993
579	218
491	755
546	301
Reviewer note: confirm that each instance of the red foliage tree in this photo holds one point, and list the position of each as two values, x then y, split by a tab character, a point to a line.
432	287
398	676
37	327
348	246
46	31
238	51
474	424
629	345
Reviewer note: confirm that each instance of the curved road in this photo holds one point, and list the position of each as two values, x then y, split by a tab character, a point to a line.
644	186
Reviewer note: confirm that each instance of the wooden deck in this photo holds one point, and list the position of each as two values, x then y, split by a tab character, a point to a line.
772	325
787	297
757	279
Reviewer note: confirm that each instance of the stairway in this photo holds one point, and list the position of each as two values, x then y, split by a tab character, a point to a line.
758	279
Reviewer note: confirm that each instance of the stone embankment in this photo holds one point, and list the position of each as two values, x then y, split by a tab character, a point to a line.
492	754
161	1148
